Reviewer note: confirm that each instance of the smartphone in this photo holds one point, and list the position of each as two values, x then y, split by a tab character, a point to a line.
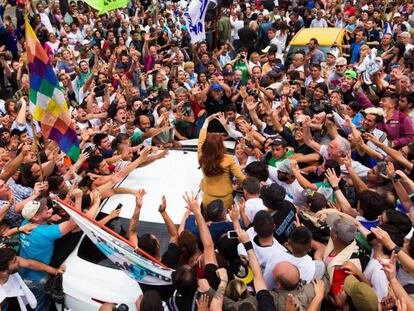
232	234
119	206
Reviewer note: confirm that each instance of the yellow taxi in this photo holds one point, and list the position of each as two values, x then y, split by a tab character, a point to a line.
325	36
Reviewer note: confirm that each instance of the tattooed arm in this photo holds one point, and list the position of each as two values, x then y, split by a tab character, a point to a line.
218	298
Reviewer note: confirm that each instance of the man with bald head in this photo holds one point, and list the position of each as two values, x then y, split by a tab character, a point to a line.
287	281
286	276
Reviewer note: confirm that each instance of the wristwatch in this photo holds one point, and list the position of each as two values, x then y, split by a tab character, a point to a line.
396	249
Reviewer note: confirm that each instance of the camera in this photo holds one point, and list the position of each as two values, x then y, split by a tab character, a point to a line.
121	307
327	106
9	242
99	90
242	56
90	150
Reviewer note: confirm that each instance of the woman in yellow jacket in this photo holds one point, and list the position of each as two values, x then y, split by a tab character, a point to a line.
218	167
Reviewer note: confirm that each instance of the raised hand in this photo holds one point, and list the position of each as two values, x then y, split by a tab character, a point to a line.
192	202
163	205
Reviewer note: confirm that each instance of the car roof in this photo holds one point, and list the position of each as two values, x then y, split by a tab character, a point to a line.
325	36
172	176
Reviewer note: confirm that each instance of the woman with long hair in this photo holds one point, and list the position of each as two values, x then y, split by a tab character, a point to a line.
217	166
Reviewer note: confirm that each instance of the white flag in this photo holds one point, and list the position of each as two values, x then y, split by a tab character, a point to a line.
120	253
194	16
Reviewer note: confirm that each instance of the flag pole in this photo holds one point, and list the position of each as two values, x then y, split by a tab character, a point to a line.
37	149
36	143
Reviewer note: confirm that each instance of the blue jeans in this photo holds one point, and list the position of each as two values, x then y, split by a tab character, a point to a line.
37	288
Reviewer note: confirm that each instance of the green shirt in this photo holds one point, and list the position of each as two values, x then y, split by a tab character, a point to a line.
272	161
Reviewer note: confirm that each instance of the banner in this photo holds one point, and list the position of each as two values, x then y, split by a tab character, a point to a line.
104	6
194	16
122	254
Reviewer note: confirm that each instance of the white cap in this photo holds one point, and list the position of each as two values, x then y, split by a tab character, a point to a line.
396	15
30	209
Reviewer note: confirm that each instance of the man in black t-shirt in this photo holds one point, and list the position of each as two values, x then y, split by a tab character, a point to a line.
273	197
217	98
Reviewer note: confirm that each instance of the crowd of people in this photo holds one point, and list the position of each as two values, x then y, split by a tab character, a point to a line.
322	168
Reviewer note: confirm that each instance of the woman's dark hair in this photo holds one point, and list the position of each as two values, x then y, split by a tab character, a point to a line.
212	154
54	182
401	48
371	203
26	178
119	139
6	255
184	280
151	301
257	169
187	243
148	243
398	219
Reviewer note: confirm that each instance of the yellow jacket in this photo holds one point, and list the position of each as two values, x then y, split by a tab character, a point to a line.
219	185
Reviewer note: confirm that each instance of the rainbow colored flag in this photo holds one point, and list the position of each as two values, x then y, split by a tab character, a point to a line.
47	100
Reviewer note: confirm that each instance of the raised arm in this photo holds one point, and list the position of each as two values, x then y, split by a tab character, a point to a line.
340	198
133	223
171	228
395	154
258	280
205	236
307	136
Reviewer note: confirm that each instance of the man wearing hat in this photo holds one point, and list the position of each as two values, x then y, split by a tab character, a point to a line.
341	247
216	98
285	177
362	296
39	245
279	151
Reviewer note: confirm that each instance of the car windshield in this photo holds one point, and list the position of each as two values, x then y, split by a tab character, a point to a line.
303	48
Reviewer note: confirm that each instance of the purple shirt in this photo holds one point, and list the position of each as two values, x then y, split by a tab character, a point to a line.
399	128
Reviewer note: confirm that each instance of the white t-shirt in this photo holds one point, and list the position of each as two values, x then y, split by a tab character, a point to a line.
360	169
309	269
374	273
262	253
15	287
253	206
293	190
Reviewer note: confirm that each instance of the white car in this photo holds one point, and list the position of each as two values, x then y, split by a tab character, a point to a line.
90	278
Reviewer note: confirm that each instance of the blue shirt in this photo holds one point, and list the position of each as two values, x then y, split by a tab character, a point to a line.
217	229
355	47
39	246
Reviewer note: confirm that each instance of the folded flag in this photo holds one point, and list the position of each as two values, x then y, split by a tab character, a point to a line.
47	101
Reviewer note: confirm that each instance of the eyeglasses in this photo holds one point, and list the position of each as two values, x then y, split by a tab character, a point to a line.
340	66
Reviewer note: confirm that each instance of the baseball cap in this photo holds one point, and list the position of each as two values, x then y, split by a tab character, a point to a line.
272	195
30	209
278	142
350	74
315	200
397	15
270	49
279	68
344	228
216	86
241	270
284	166
362	295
